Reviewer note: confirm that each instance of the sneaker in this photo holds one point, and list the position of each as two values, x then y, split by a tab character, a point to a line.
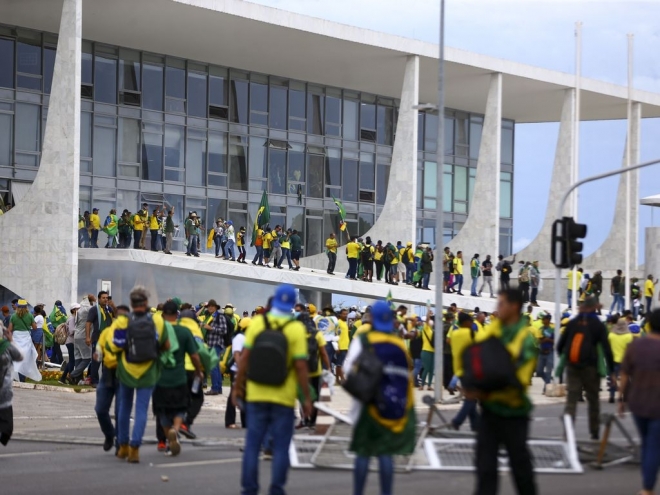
109	442
213	392
611	401
162	447
173	440
268	455
187	432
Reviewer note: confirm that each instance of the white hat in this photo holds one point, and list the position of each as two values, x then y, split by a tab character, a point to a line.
352	315
74	306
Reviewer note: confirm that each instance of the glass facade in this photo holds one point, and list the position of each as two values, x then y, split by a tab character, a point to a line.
168	131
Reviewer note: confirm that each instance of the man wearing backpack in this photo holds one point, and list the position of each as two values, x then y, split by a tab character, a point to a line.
367	258
505	412
523	280
138	340
408	259
504	267
274	364
581	345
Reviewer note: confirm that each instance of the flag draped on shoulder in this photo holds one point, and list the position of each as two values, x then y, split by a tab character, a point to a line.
261	218
342	213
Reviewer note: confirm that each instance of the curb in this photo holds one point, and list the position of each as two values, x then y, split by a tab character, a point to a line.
52	388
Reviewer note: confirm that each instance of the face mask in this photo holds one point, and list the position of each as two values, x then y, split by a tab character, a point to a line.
296	314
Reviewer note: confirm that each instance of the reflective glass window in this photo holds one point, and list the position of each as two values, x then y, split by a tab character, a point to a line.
382	181
196	158
277	171
218	152
238	173
350	180
385	125
430	184
368	116
297	110
461	135
351	120
197	106
278	106
333	116
507	145
49	67
6	135
6	63
315	176
152	94
314	240
28	127
430	132
258	104
506	197
420	131
239	101
367	172
333	167
449	136
152	152
258	164
296	170
105	146
218	91
28	58
315	111
174	146
365	222
447	188
86	142
420	187
104	200
105	79
129	140
129	70
175	82
87	68
476	127
460	183
295	218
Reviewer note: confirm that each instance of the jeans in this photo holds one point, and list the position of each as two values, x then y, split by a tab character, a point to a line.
495	430
277	420
425	280
385	473
428	361
56	354
649	432
613	385
83	238
154	240
410	271
105	392
379	269
286	253
617	303
468	410
142	397
216	241
330	350
524	288
458	280
473	288
417	368
229	249
487	279
95	238
544	367
332	261
192	245
569	296
259	257
216	376
352	268
111	242
535	292
649	300
70	363
137	235
230	412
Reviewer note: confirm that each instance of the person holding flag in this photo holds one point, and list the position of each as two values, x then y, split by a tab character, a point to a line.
341	211
261	218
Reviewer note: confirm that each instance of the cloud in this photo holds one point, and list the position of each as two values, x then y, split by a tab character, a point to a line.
520	243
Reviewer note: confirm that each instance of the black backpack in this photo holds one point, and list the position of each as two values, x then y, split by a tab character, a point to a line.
269	356
487	367
366	253
141	339
366	374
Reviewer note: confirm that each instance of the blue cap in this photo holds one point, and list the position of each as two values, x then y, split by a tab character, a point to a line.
382	317
229	222
284	298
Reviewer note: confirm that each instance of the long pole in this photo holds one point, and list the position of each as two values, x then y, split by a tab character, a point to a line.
439	216
576	142
628	175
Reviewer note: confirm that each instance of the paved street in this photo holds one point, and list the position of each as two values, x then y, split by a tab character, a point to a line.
30	467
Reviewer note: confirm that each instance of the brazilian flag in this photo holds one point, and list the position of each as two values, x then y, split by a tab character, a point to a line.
262	217
342	213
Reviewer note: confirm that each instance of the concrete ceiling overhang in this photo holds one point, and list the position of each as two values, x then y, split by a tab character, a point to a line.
242	35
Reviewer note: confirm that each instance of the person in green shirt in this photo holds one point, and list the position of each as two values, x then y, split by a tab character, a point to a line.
171	396
169	230
111	227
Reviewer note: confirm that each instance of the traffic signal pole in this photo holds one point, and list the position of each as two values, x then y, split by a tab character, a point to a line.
560	211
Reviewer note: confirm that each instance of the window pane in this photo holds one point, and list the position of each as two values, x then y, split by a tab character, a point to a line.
333	168
447	188
297	110
420	131
176	82
28	58
152	156
350	180
420	187
85	135
197	95
128	200
365	222
333	116
350	120
105	80
460	183
315	176
258	165
278	107
27	127
295	218
430	184
87	68
196	162
218	152
104	200
296	171
475	138
218	88
368	116
507	146
258	104
239	101
174	146
367	172
6	135
104	151
382	181
505	199
449	136
431	132
129	71
49	66
315	111
6	63
314	241
238	173
385	125
85	199
277	171
129	141
152	94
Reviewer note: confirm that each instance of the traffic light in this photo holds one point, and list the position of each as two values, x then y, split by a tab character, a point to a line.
566	249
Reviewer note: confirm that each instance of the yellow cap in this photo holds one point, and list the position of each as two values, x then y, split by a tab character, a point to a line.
21	303
244	323
312	309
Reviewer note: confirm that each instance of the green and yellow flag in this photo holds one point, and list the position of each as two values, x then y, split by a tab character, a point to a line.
342	213
262	217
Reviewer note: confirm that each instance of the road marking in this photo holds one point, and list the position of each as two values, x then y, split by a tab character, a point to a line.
199	463
25	454
55	417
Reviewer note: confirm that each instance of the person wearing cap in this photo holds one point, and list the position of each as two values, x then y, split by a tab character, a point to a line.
230	235
460	339
285	241
276	245
111	227
71	331
82	343
214	324
385	428
240	244
270	408
95	226
217	233
579	346
21	326
138	228
408	260
191	235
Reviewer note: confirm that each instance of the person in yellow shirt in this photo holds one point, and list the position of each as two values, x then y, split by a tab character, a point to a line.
428	354
458	272
619	338
153	228
95	226
331	250
461	338
480	321
379	252
649	290
138	228
268	239
352	253
270	407
240	244
343	343
578	282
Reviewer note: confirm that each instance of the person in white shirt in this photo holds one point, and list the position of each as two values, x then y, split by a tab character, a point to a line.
231	240
236	349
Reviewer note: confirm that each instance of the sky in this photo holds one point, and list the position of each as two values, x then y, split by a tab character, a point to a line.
540	33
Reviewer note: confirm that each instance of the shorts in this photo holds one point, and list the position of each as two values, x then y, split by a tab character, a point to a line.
368	265
37	335
340	357
266	253
445	276
394	269
295	254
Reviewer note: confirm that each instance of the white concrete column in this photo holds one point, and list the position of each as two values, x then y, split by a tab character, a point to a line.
539	248
481	232
40	235
611	254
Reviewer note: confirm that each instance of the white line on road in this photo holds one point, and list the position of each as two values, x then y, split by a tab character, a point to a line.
199	463
25	454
